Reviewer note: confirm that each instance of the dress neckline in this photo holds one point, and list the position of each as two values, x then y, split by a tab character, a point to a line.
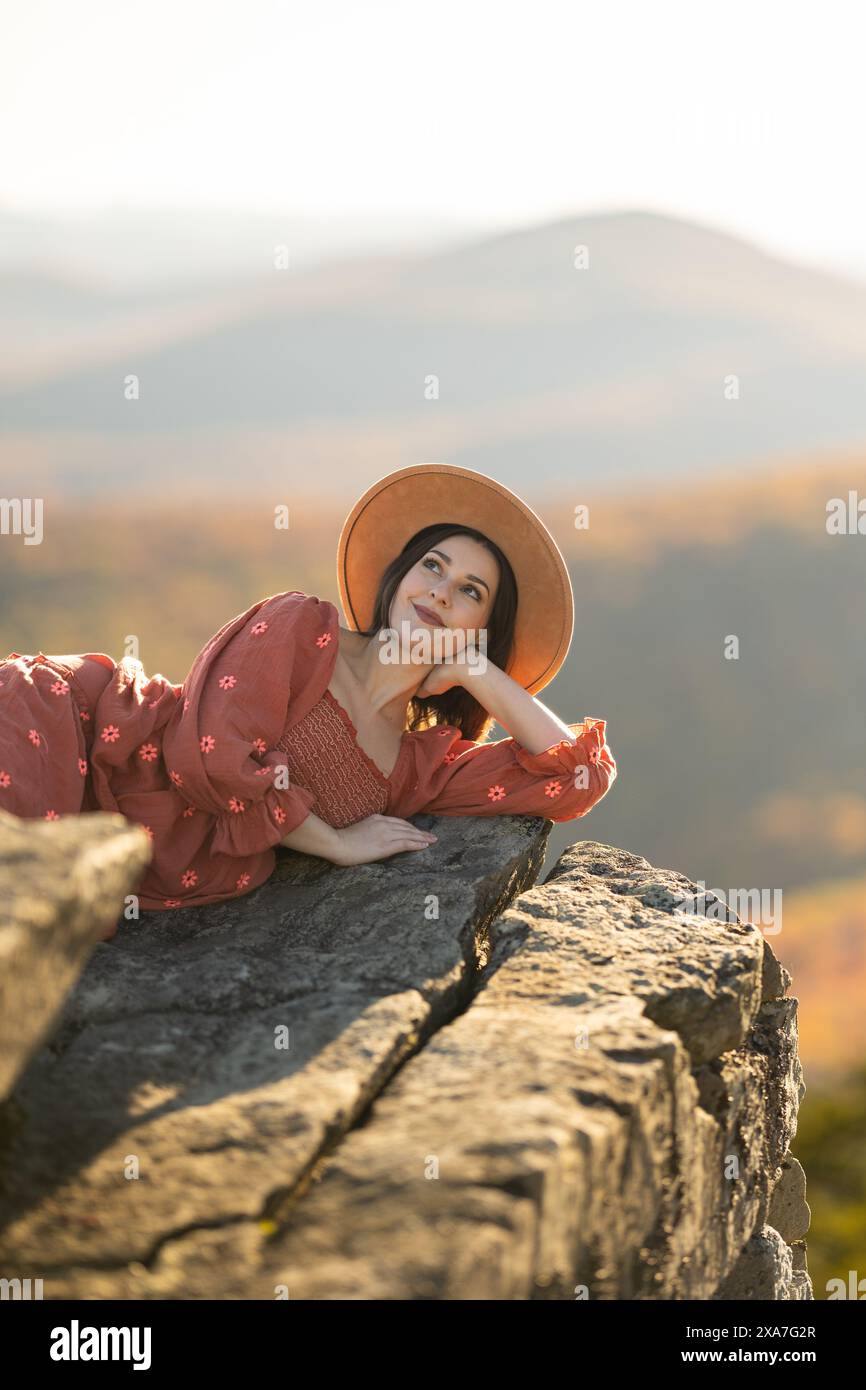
373	766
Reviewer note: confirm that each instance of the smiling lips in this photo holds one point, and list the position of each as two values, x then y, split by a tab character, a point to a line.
426	614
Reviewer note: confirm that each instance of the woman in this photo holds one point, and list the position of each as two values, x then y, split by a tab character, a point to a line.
293	730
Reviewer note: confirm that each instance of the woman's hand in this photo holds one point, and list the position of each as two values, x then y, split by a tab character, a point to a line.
455	671
442	677
377	837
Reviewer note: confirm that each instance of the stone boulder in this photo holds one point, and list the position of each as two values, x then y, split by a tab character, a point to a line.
429	1077
62	885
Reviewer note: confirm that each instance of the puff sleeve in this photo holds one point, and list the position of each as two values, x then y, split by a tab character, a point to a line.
220	750
562	783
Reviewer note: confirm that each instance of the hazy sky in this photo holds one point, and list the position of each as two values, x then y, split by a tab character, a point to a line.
748	115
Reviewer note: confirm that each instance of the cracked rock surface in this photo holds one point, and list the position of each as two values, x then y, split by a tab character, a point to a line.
567	1090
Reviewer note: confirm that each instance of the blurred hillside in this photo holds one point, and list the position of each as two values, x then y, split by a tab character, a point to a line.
831	1145
823	944
251	376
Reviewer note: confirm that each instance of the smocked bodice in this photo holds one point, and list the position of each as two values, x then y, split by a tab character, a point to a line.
322	754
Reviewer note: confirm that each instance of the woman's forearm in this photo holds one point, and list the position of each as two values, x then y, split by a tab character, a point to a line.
527	720
313	836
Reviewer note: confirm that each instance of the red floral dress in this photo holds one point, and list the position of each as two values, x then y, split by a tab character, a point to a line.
220	769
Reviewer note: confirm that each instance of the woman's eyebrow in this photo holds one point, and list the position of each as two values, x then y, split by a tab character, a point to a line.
447	559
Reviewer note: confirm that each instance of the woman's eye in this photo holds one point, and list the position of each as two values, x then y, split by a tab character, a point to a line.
475	594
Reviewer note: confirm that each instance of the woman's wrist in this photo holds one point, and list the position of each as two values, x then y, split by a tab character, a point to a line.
472	673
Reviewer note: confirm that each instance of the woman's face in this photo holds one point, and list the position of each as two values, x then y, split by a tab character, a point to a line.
456	580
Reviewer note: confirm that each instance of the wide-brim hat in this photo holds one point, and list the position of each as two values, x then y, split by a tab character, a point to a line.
402	503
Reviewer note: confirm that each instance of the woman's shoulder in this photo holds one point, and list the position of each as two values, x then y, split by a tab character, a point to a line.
302	609
293	626
275	632
298	599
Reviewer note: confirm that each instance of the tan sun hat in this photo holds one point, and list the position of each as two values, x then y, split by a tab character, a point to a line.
402	503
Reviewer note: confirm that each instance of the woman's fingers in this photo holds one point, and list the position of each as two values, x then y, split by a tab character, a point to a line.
404	836
398	846
405	827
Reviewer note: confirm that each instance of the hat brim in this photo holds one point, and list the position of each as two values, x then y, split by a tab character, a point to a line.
402	503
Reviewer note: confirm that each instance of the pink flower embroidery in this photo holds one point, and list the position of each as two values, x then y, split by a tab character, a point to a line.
207	743
226	682
449	757
236	805
190	811
85	717
446	732
82	766
495	793
5	779
176	778
323	640
260	746
60	688
242	882
258	629
263	771
593	755
34	737
189	879
110	734
51	815
172	902
279	815
552	788
147	752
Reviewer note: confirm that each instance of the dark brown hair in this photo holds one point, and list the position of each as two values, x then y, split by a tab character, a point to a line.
455	706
